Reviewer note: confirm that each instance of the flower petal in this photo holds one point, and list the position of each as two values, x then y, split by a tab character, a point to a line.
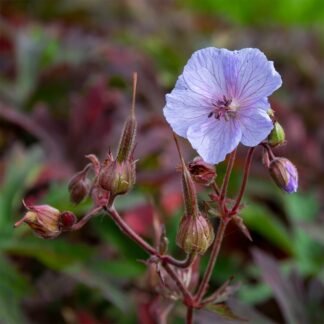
256	77
256	125
185	108
214	139
204	72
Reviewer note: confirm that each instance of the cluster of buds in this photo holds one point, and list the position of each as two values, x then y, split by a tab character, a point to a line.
46	221
195	233
112	178
281	170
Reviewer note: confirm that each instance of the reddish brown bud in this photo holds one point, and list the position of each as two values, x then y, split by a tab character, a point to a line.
195	234
117	177
43	219
201	171
127	141
67	220
79	186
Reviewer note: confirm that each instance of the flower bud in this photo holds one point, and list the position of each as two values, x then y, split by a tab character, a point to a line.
67	220
43	219
277	135
78	187
195	234
284	173
201	171
127	141
117	177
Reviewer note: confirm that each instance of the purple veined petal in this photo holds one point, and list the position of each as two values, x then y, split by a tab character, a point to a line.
256	125
204	72
185	108
181	84
214	139
256	77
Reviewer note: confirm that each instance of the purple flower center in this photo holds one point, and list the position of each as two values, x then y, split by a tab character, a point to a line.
224	108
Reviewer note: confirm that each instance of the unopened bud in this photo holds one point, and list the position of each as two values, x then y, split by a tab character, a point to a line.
195	234
67	220
284	173
117	177
43	219
201	171
127	141
79	187
277	135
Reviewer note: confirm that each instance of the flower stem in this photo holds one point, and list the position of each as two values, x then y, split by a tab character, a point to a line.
189	315
129	232
212	260
247	166
226	180
185	292
86	218
180	263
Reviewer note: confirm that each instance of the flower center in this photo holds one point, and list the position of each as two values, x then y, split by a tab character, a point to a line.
225	108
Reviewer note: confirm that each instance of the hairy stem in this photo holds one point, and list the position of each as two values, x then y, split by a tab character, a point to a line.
223	192
212	260
129	232
86	218
189	319
185	292
247	167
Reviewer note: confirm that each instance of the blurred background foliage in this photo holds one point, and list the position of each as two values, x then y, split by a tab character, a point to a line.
65	89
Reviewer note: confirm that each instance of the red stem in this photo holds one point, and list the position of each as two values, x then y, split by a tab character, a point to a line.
185	292
129	232
86	218
225	182
189	319
247	167
212	260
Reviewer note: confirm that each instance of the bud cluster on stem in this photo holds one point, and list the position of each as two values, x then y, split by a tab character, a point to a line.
104	181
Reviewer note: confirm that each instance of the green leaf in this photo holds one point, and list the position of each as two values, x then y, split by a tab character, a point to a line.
123	269
88	276
21	169
224	311
55	254
261	220
13	287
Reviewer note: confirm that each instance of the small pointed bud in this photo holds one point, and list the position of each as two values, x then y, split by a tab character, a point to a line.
117	177
188	187
277	135
195	234
164	242
284	173
43	219
240	224
201	171
67	220
79	186
127	141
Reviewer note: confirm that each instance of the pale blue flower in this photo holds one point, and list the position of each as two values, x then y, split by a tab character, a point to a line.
220	100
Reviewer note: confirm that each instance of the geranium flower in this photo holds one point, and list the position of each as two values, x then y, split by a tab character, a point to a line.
220	100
